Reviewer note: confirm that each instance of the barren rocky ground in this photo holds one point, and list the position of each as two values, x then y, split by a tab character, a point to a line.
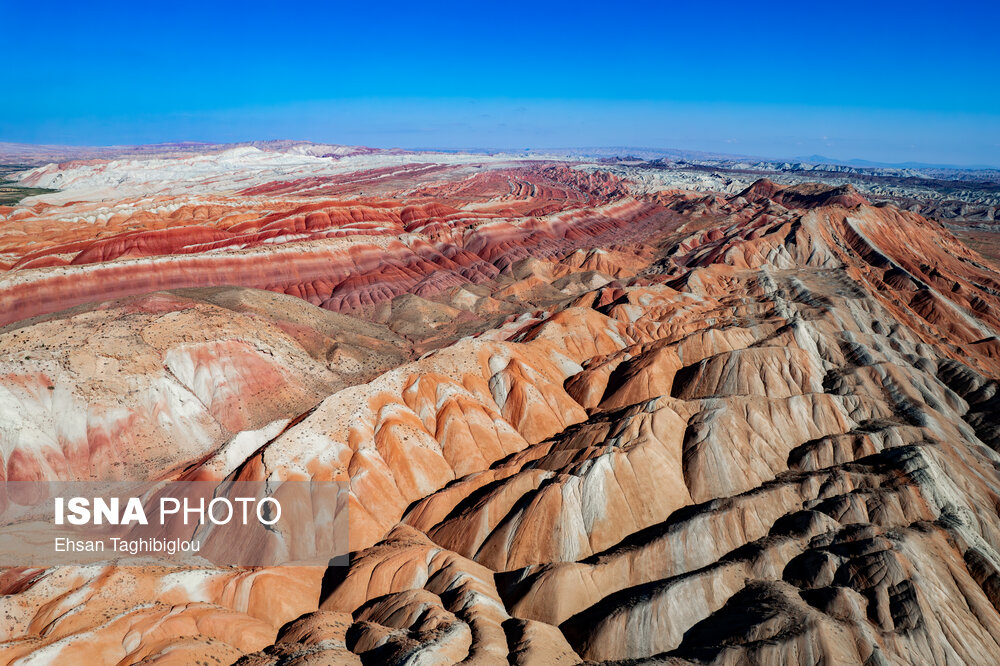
585	413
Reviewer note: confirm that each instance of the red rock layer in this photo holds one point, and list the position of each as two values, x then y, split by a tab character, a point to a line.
339	255
777	443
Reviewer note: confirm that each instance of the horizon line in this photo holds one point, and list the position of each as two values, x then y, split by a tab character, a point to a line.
615	151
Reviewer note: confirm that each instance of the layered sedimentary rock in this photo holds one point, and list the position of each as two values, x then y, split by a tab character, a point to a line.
577	421
339	255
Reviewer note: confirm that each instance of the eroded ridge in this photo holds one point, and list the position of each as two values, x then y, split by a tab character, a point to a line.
619	426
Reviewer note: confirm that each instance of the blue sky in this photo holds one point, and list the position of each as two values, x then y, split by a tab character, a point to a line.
887	81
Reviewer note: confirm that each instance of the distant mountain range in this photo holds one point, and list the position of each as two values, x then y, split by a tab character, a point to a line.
39	154
895	165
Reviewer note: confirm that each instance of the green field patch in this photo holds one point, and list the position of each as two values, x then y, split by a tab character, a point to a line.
10	192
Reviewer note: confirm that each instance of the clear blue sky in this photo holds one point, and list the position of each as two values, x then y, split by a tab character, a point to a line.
888	81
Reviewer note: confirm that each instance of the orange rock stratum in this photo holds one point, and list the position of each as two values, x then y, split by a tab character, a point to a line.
581	419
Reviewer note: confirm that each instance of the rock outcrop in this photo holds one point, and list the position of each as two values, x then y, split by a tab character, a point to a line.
578	422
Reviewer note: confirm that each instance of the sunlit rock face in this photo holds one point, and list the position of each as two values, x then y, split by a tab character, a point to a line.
579	419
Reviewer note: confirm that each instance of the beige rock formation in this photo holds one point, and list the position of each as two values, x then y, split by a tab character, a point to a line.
767	434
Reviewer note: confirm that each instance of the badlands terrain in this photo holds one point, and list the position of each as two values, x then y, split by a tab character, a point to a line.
595	411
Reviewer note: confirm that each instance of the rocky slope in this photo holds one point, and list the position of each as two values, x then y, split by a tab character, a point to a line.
959	195
580	419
